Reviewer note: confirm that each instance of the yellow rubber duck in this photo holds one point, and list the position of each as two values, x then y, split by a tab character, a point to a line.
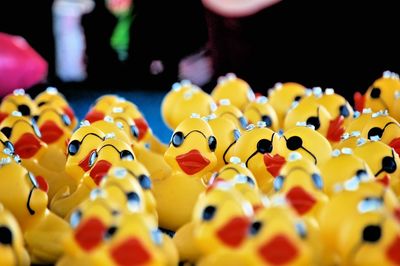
262	110
191	157
337	106
17	101
102	105
235	89
227	110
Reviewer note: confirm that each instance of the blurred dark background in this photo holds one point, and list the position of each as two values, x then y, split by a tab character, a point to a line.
316	43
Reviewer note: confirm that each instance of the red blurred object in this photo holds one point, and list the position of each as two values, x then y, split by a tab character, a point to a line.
234	8
20	65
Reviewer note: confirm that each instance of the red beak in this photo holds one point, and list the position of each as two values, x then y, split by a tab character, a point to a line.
51	132
3	116
359	101
84	164
99	170
393	252
192	162
94	116
397	214
274	163
385	180
301	200
395	144
130	252
143	127
27	146
89	234
336	129
234	232
278	251
42	183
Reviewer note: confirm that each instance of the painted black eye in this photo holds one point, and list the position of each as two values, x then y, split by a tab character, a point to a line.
6	131
344	111
110	232
8	145
73	147
134	131
66	120
75	219
317	180
145	182
301	230
255	227
294	143
267	120
250	181
177	139
92	158
375	131
24	109
278	183
375	93
297	98
389	165
372	233
212	143
35	117
361	174
41	104
126	155
236	134
264	146
314	121
209	213
133	199
243	121
6	237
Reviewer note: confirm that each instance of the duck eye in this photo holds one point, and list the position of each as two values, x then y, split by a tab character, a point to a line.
75	219
66	120
209	213
267	120
212	143
372	233
375	131
317	180
6	131
301	230
361	174
177	139
375	93
388	165
8	145
236	134
24	109
92	158
264	146
243	121
35	117
110	232
6	237
145	182
250	181
314	121
294	143
344	111
36	128
297	98
134	131
278	183
255	227
133	200
73	147
126	155
41	104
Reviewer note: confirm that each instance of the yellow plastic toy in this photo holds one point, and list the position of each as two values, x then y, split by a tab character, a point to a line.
191	157
101	107
306	141
337	106
235	89
353	171
359	120
12	250
36	156
301	183
229	111
257	149
183	100
25	197
381	95
52	97
282	96
384	127
261	110
382	160
17	101
311	112
227	134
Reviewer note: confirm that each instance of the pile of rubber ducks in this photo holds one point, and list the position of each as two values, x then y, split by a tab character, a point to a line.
295	178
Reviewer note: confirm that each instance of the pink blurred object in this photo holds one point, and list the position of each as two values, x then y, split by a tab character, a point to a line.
20	65
237	8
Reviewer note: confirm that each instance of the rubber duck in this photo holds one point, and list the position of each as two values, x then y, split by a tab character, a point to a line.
261	110
383	161
311	112
337	106
102	106
235	89
231	112
353	171
282	96
348	140
191	158
52	97
183	100
17	101
257	149
381	95
36	156
306	141
12	250
359	120
385	127
43	231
